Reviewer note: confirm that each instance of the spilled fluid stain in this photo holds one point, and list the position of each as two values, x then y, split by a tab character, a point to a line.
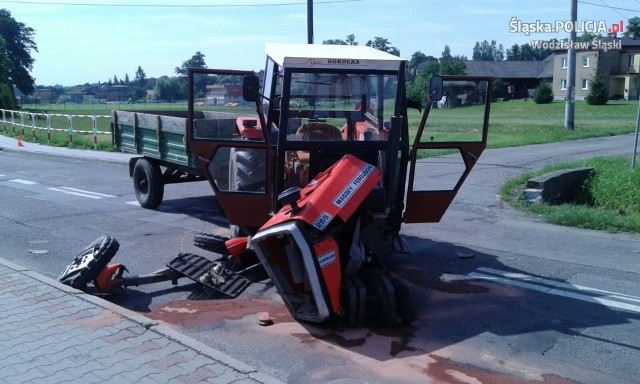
447	371
342	341
205	312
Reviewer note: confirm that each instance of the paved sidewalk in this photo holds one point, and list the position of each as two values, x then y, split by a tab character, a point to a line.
11	143
52	333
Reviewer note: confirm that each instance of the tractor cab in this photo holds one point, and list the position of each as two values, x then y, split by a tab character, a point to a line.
315	104
327	101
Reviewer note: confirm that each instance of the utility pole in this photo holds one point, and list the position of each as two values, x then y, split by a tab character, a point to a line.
309	21
635	139
569	106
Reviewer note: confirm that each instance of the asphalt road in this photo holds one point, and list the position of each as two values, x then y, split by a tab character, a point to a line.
502	297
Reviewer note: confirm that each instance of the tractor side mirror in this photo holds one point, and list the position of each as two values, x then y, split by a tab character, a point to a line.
251	88
435	88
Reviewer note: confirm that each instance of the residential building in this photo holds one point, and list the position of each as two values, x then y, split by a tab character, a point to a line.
618	66
519	77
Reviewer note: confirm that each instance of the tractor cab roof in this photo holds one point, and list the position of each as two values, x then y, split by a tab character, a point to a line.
317	56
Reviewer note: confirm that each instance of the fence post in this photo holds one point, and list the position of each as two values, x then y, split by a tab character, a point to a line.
13	123
4	122
22	122
94	126
48	128
33	127
69	118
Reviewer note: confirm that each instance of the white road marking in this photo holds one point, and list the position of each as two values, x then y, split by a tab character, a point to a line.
25	182
135	202
87	194
551	287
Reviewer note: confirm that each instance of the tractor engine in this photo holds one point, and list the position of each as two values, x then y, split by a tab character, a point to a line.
323	249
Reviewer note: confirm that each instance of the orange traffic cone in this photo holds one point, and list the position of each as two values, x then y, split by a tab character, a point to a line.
20	141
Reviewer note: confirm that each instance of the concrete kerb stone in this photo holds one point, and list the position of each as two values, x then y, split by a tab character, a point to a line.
7	144
188	342
11	265
151	325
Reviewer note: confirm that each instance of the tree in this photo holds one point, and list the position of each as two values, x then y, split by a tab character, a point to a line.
384	45
418	90
115	80
7	101
452	65
526	52
126	79
140	77
196	61
598	93
169	89
513	53
4	64
589	36
18	44
633	27
486	51
543	94
351	40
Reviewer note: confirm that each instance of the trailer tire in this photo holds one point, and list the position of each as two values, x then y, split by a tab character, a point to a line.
87	264
212	243
147	183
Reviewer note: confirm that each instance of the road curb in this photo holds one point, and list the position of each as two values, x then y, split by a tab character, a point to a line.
51	151
149	324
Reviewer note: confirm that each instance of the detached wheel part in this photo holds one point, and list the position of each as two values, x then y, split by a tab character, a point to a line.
87	265
212	243
147	183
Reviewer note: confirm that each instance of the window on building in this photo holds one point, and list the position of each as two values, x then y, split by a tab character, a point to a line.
585	61
631	63
563	84
585	84
564	62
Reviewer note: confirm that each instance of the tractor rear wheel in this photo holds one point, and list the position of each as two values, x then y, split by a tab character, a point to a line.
147	183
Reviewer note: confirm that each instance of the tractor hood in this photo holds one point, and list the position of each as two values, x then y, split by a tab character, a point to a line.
336	192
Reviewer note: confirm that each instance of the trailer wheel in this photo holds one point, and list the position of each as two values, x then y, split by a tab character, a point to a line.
147	183
87	265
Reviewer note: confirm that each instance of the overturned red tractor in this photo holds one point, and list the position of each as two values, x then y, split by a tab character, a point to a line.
316	168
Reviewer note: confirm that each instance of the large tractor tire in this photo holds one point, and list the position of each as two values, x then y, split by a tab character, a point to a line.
147	183
247	170
87	265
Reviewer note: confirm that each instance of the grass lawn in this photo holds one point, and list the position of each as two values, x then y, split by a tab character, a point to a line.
515	123
609	200
512	123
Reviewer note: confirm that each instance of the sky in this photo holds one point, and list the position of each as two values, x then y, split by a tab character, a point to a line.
86	41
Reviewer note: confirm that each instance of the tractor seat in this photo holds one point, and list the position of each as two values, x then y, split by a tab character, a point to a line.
318	131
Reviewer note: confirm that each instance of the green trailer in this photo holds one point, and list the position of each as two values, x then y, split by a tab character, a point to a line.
165	142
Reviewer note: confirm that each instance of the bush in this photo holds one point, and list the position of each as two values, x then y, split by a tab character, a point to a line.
598	94
543	94
6	97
